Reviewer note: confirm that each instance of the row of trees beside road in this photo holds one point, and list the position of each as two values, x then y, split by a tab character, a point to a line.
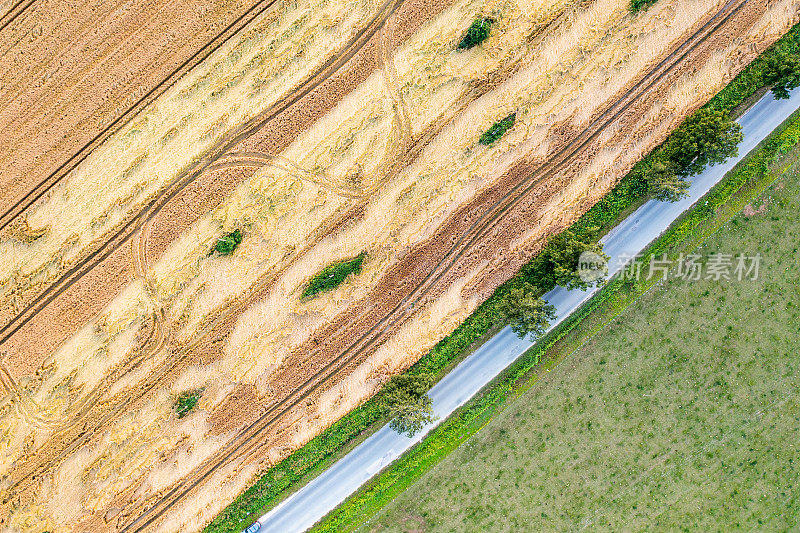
287	476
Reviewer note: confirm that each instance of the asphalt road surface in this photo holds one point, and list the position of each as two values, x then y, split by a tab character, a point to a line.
306	506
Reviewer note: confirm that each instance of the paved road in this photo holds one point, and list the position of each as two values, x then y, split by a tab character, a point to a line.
302	509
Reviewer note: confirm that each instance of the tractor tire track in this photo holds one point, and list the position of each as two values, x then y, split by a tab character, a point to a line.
161	334
409	147
13	12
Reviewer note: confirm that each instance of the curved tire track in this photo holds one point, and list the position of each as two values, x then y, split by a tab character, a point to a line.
161	334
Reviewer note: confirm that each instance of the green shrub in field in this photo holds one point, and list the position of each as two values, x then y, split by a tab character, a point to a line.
227	244
497	130
186	401
477	32
333	275
638	5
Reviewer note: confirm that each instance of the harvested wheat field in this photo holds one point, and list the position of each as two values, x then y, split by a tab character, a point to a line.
314	131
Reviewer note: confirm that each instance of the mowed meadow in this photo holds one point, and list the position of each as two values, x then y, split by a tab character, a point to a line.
683	414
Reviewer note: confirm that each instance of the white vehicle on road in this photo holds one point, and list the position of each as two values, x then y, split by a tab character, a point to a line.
252	528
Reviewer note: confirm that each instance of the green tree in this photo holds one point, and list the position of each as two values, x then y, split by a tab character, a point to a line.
783	72
557	264
708	136
477	32
664	183
410	418
405	399
525	311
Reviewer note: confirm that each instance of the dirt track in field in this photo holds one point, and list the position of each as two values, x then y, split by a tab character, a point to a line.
467	242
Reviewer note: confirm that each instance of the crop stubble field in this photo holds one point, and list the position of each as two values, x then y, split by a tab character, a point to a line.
73	72
321	130
682	413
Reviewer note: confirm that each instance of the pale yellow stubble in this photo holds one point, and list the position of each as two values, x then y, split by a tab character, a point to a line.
246	75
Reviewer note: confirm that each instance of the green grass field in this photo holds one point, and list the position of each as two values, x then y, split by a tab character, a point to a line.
682	414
